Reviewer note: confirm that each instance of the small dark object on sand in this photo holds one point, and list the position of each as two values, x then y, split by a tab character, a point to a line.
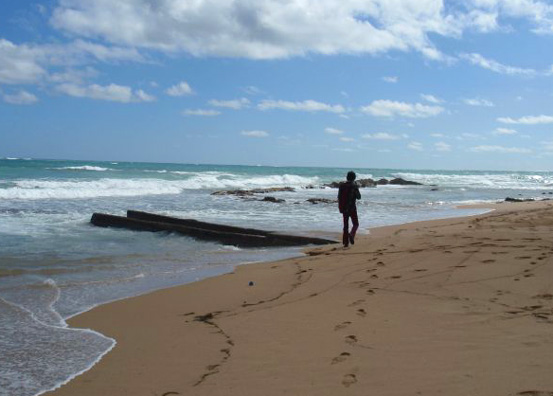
251	283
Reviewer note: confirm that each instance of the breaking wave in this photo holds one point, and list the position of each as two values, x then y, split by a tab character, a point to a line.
110	187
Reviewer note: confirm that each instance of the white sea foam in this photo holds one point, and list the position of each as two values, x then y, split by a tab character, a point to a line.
491	180
107	187
85	167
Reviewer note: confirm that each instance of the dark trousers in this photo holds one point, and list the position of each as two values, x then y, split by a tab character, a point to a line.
354	221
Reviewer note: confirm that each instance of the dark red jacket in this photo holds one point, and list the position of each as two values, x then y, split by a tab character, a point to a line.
348	193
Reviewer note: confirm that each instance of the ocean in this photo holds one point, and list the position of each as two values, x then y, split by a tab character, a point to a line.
54	264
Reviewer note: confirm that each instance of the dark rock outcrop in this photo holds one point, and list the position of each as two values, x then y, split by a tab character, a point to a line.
366	183
243	193
509	199
322	200
382	182
402	182
273	199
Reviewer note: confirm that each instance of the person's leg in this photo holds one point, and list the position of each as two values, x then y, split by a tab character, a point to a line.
345	235
355	222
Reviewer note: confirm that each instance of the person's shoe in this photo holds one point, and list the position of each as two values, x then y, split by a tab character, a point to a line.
351	239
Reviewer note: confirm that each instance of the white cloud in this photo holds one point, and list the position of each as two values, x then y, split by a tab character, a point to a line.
437	135
111	92
442	146
547	145
478	102
390	79
19	64
264	29
504	131
144	97
347	139
180	89
432	99
527	120
235	104
388	108
500	149
306	105
333	131
490	64
417	146
255	134
252	90
20	98
201	112
32	63
380	136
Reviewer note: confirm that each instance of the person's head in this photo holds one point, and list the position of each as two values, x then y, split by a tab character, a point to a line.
351	176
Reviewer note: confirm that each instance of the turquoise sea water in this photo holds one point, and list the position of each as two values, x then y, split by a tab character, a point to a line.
54	264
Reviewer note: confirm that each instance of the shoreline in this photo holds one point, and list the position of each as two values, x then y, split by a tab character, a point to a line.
225	294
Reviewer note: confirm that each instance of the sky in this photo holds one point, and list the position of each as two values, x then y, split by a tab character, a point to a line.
419	84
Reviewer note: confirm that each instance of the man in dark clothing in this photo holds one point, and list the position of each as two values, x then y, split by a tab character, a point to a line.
348	193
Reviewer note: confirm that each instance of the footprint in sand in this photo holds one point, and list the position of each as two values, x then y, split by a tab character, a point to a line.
342	358
395	277
523	257
535	393
420	270
488	261
374	276
342	325
355	303
361	312
350	379
380	264
351	339
371	291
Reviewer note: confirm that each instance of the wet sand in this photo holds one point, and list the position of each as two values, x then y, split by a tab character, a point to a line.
451	307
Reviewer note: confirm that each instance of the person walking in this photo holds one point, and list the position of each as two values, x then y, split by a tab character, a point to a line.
348	193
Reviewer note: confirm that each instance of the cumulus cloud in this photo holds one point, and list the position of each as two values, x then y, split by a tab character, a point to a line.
478	102
432	99
504	131
381	136
333	131
180	89
111	92
417	146
490	64
255	134
500	149
20	98
390	79
32	63
19	64
201	112
389	108
235	104
263	29
527	120
442	146
306	105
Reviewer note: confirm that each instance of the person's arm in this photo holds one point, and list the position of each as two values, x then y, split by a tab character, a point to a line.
357	193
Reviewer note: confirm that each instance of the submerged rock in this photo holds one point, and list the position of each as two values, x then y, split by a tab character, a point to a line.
245	193
315	201
402	182
273	199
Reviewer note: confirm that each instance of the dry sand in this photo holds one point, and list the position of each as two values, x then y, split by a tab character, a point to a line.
450	307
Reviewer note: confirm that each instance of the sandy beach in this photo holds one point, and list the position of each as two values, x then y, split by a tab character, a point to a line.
451	307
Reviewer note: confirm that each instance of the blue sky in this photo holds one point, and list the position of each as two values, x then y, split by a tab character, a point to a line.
353	83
